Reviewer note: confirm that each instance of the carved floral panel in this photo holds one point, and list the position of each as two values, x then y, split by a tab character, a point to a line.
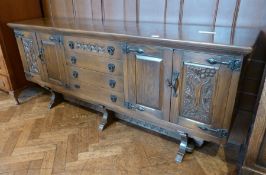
199	86
30	55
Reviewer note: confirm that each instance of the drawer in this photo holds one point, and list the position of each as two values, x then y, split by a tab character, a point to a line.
97	94
4	84
97	79
96	63
95	47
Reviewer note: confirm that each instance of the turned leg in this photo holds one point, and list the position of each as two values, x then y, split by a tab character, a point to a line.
104	120
56	98
184	147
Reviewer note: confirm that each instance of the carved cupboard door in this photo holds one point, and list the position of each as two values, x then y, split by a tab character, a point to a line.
28	49
147	70
52	55
206	91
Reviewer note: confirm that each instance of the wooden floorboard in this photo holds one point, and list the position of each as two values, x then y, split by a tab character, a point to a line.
65	140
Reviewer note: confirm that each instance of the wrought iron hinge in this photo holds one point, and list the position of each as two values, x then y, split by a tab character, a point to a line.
18	34
217	132
41	55
133	107
56	39
234	64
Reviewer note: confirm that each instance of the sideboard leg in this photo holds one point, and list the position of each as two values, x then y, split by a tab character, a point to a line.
56	98
104	120
184	147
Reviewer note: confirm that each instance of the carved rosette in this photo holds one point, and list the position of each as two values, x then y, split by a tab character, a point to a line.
198	91
30	55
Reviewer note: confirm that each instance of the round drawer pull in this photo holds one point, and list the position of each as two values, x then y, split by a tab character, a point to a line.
112	83
71	44
110	50
111	67
113	98
73	60
75	74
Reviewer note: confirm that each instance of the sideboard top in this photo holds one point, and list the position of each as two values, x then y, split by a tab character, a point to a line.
235	40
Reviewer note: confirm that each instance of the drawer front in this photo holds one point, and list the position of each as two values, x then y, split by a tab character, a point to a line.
4	84
97	79
96	63
96	47
97	94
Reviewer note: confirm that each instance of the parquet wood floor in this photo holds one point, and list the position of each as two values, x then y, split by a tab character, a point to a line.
65	140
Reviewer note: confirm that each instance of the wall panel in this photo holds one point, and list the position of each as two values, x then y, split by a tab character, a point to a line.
207	12
252	13
83	9
199	12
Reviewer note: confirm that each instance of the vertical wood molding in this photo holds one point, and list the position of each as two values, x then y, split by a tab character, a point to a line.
234	20
181	11
165	11
137	11
74	8
102	10
215	12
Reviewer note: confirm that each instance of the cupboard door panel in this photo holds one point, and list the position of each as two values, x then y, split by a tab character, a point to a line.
148	79
52	55
28	49
204	98
146	88
198	91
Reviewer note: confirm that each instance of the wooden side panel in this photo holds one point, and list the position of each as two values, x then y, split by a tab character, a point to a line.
149	81
199	12
83	9
255	159
62	8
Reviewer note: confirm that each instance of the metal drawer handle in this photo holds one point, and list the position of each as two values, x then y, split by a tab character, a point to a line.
174	83
233	64
111	67
73	60
110	50
112	83
113	98
71	44
75	74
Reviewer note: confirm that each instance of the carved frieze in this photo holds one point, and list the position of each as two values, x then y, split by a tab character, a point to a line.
199	84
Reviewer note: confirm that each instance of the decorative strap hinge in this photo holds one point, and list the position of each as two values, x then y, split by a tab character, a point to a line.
233	64
133	107
221	133
56	39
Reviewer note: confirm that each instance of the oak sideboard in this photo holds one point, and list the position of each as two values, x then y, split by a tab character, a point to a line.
177	80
